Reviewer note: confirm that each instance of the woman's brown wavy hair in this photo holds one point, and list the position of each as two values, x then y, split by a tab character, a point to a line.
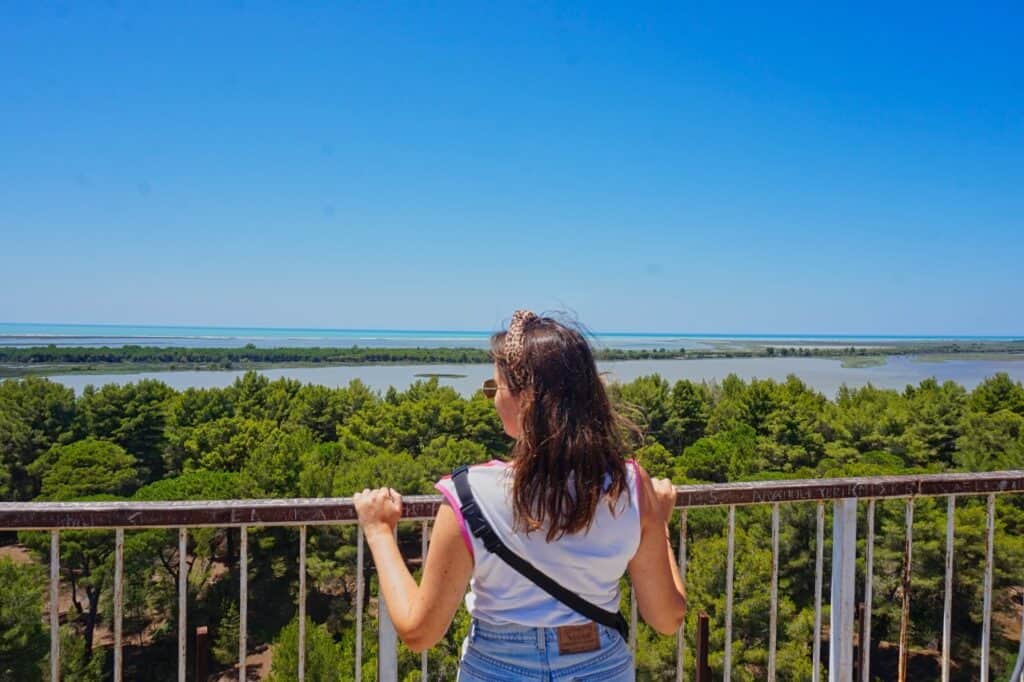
572	441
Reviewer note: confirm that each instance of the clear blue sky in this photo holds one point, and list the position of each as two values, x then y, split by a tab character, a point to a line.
695	168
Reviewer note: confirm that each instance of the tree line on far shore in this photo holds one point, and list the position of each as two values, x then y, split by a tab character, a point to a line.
16	361
259	438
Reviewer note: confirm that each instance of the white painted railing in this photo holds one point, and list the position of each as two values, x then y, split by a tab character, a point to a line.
844	494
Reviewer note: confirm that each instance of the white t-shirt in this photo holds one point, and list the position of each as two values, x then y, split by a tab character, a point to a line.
588	563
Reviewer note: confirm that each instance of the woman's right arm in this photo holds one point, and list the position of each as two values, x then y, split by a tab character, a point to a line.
660	594
420	613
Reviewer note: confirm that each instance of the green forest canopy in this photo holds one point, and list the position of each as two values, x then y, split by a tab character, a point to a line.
262	438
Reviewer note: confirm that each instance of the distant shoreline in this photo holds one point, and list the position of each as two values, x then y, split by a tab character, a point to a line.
23	334
49	360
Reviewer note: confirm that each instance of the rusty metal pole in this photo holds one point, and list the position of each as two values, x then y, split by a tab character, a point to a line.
858	645
700	662
202	653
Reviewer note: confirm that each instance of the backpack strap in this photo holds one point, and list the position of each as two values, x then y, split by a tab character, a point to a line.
481	529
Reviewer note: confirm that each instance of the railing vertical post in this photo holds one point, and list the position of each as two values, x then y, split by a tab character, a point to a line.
819	569
681	635
54	604
858	624
703	669
182	602
986	623
774	601
302	604
360	586
947	602
730	559
202	653
869	572
844	573
424	545
118	601
908	563
387	641
243	601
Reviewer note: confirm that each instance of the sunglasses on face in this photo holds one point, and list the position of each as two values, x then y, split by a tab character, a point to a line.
490	388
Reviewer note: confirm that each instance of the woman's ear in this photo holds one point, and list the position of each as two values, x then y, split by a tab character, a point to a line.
523	400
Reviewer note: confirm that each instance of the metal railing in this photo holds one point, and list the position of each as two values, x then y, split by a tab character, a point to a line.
844	494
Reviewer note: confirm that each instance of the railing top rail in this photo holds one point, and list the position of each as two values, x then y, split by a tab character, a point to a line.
866	487
339	510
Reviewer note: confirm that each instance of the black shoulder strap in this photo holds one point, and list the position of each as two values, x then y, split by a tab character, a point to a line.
480	528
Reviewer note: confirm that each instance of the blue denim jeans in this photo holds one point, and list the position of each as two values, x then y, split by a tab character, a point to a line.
499	653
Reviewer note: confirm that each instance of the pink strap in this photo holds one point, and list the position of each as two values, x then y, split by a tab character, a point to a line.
636	483
453	502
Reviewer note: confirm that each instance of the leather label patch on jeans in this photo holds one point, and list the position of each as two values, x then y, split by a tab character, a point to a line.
578	639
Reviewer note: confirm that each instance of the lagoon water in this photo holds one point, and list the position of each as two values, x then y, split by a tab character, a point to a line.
21	334
823	374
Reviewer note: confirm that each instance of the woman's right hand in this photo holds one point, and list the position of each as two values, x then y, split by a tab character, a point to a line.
378	509
664	498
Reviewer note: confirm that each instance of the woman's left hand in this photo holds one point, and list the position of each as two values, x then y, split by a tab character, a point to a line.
378	509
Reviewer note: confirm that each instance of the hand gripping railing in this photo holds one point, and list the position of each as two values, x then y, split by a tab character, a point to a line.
843	493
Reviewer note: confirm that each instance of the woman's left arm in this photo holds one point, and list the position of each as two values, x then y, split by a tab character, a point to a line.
421	613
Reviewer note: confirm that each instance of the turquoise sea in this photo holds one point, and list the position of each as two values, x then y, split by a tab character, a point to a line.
36	334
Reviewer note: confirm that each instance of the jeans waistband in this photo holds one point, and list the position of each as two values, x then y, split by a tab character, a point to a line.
510	632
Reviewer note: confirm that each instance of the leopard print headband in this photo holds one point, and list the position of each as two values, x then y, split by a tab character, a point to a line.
515	340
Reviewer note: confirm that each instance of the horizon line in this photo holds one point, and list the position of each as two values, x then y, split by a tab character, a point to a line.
754	335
